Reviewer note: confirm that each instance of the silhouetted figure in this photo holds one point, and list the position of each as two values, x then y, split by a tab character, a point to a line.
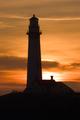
34	71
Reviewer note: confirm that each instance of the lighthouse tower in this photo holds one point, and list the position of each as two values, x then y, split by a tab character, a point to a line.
34	70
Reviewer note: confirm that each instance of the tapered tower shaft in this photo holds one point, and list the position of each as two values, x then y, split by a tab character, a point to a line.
34	70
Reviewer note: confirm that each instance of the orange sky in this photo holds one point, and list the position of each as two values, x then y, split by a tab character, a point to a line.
60	39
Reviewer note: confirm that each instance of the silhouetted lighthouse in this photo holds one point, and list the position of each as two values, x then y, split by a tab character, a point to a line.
34	70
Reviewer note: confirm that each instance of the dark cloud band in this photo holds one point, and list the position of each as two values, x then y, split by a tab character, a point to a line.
18	63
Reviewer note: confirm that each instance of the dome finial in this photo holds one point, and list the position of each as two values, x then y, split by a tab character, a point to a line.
33	15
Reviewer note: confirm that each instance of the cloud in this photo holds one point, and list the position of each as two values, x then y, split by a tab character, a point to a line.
72	66
12	63
59	66
62	19
4	25
21	17
13	16
44	8
75	65
18	63
50	64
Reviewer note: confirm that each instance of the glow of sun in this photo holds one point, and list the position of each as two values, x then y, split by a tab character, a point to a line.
56	76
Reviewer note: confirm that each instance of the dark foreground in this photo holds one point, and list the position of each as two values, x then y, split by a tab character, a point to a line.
41	105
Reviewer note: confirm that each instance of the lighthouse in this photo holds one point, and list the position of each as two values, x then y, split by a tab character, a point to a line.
35	84
34	70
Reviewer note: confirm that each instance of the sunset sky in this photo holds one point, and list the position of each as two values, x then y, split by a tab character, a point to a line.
60	41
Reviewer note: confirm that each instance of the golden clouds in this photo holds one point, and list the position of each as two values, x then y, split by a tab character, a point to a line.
4	26
60	41
43	8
